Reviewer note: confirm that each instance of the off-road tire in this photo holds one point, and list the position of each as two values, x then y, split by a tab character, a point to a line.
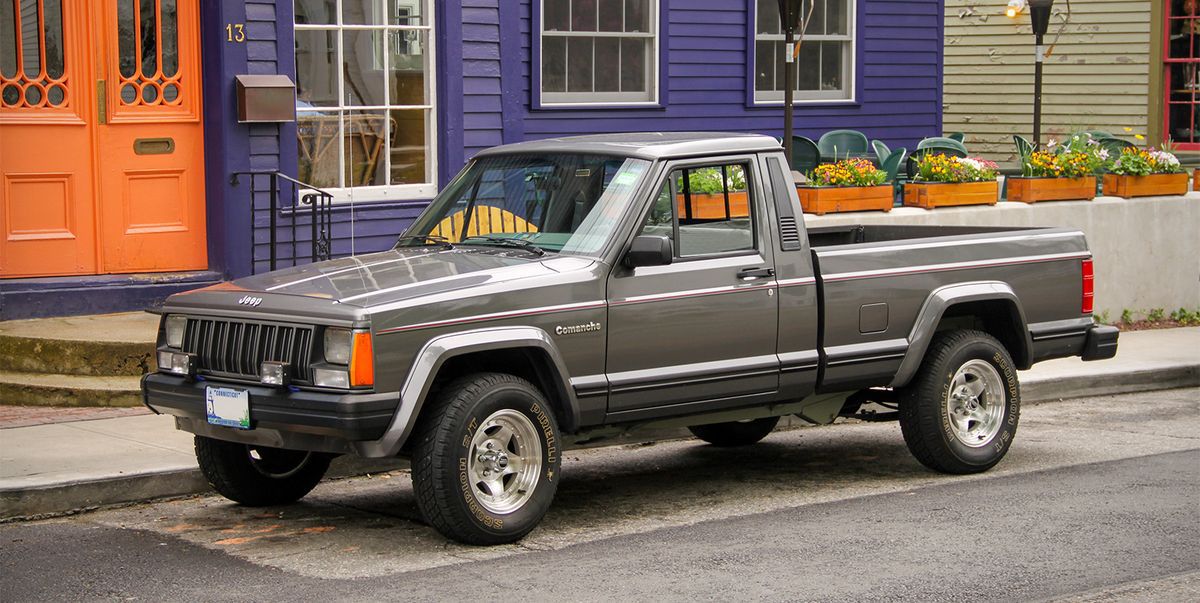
276	477
443	438
925	404
735	433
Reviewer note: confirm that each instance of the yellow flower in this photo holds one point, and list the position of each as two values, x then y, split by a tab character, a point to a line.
1139	137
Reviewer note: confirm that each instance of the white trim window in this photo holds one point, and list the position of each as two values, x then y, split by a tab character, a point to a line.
599	52
825	68
365	86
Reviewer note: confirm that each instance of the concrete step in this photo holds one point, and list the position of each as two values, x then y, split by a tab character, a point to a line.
41	389
101	345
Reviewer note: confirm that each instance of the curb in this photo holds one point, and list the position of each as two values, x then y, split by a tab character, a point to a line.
85	495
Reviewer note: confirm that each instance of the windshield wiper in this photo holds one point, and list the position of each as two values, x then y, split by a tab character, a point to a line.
442	242
507	242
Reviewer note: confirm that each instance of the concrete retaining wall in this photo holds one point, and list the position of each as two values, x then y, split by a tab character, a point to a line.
1147	251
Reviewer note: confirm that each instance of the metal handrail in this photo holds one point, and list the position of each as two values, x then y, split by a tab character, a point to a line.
319	203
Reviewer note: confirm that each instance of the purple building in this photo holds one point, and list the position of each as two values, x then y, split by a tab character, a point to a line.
393	97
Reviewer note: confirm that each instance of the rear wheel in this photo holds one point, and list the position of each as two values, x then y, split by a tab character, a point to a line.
735	433
259	476
960	413
486	459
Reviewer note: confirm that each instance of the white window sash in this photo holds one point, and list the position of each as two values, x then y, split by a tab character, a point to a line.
650	98
847	94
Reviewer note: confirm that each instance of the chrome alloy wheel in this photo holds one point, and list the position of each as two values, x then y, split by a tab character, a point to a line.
976	403
505	461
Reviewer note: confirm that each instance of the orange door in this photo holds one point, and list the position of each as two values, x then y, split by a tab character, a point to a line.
101	143
150	141
47	218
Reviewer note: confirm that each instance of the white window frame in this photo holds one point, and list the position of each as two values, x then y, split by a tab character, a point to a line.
573	99
850	65
387	192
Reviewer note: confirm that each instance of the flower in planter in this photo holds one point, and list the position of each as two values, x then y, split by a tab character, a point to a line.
1080	156
848	172
1144	162
946	168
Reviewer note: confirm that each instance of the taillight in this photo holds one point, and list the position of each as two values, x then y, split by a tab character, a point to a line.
362	360
1089	287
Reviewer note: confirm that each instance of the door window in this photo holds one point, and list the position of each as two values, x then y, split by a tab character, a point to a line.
705	210
33	69
1182	68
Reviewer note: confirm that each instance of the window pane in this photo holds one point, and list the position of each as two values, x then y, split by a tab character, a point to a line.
557	15
764	65
364	140
583	15
8	40
317	135
170	42
781	64
610	15
408	146
409	62
714	211
579	65
361	12
637	16
660	220
831	66
817	25
608	65
838	19
30	41
316	68
554	64
809	67
405	12
126	38
362	72
633	64
316	11
768	17
149	33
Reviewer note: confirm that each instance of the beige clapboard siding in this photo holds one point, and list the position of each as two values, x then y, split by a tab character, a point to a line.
1097	77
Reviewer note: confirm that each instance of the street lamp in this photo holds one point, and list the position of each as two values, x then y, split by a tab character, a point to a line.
1039	14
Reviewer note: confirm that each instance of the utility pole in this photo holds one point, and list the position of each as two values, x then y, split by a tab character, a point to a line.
789	18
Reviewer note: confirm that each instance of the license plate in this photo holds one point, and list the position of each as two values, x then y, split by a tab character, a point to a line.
228	407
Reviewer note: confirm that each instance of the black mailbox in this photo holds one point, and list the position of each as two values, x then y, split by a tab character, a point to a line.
265	98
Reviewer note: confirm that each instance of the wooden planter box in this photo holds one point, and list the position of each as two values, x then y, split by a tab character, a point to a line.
1153	185
1196	179
707	206
947	194
1032	190
824	199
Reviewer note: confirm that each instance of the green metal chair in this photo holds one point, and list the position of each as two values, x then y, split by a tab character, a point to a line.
891	165
1116	146
842	142
942	142
805	155
959	136
881	150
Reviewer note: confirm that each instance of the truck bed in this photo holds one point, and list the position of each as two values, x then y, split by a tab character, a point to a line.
831	236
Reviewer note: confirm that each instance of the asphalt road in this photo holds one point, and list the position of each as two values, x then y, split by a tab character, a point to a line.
1098	500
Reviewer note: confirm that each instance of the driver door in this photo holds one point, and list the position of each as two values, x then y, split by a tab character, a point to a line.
699	333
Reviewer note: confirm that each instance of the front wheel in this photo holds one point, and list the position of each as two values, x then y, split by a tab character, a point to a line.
486	459
259	476
959	415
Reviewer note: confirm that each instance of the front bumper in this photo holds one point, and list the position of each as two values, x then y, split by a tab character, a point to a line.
303	420
1101	343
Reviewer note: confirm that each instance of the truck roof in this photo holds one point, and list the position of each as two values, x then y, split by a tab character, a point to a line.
648	145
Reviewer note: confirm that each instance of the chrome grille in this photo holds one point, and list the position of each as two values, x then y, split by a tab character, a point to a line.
237	348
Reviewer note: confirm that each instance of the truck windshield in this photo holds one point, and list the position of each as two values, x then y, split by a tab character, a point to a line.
563	203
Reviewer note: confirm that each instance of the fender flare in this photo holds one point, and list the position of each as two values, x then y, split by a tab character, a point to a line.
935	307
436	352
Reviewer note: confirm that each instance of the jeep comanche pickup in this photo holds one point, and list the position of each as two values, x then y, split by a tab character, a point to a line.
573	289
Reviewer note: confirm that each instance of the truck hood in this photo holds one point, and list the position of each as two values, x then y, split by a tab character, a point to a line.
406	273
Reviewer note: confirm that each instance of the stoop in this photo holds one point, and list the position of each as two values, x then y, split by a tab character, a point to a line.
76	360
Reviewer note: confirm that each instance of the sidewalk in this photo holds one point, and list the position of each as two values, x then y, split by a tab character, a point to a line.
67	466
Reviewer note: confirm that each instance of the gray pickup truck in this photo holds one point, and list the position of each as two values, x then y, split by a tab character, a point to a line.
574	289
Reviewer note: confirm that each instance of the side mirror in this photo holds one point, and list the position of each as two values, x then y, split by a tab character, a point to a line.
650	250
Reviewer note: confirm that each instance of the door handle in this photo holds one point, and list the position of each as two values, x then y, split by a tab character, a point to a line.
747	274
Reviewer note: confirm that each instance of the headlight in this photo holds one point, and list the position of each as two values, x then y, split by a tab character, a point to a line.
337	345
174	326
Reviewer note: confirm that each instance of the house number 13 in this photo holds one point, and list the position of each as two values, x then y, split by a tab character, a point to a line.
235	32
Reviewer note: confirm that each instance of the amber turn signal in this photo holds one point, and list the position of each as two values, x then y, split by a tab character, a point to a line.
362	360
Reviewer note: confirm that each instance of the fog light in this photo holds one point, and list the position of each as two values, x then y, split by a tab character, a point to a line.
275	373
177	363
331	378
